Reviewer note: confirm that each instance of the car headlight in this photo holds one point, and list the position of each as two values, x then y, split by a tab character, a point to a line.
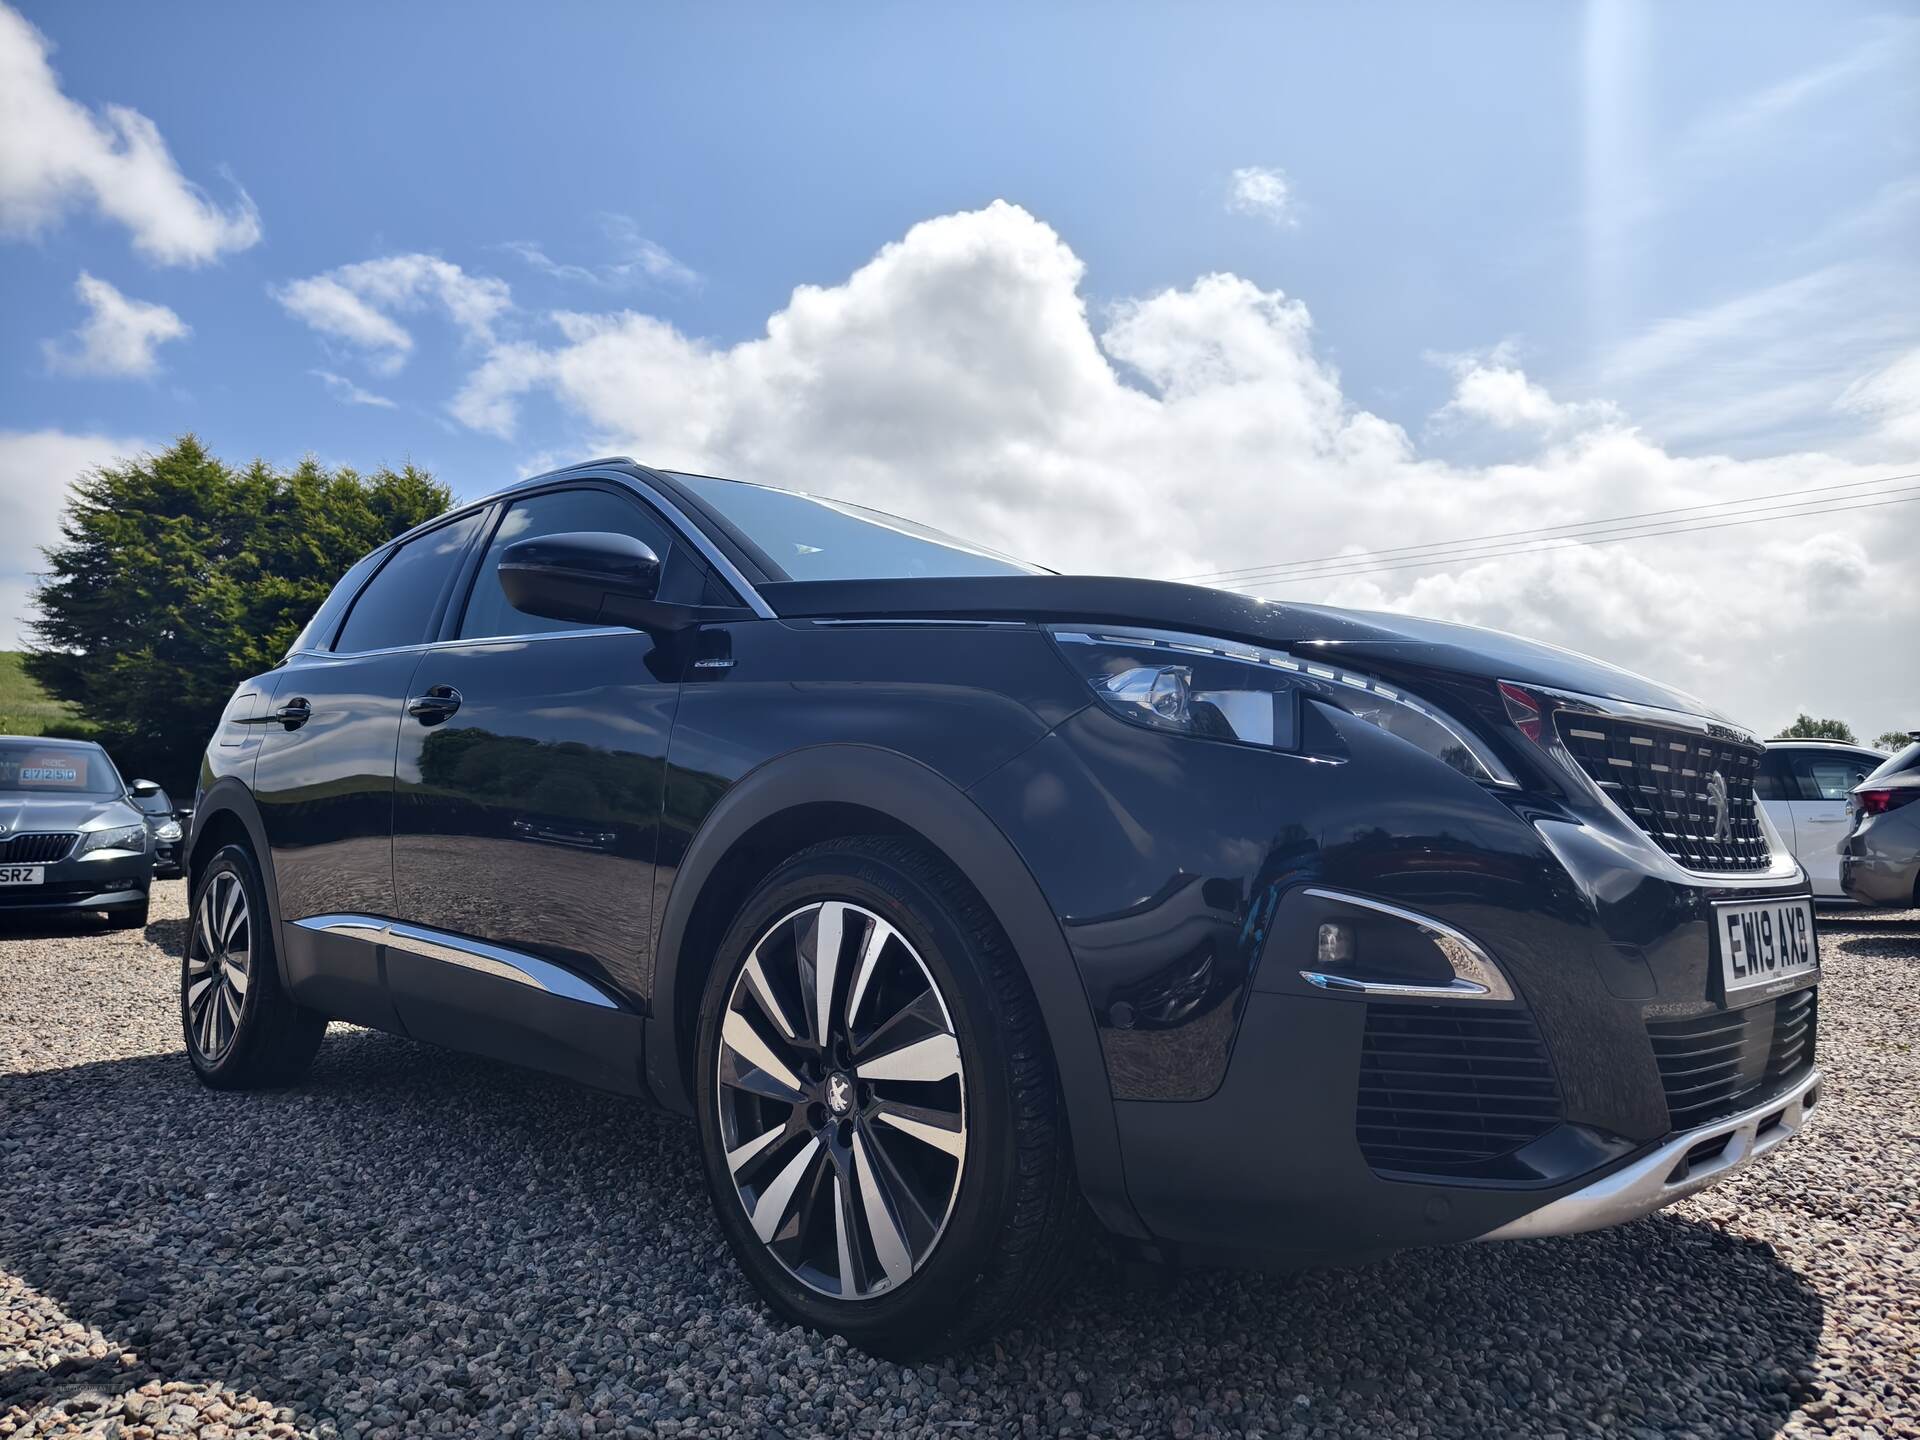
1250	695
131	838
167	830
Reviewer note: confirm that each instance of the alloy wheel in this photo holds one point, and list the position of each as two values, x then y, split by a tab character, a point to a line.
842	1100
219	963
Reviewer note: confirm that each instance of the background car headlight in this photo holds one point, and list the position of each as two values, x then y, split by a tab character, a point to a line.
167	830
1222	690
126	837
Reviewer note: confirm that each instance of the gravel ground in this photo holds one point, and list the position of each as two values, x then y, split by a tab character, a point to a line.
418	1243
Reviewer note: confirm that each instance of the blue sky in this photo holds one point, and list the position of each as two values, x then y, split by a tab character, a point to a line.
1577	257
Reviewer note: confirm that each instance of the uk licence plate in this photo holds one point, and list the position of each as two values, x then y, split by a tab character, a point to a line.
1764	941
23	874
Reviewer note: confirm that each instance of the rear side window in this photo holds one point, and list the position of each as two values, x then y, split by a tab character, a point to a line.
313	636
1899	764
400	602
562	512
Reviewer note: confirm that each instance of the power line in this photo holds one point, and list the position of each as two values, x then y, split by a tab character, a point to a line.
1564	543
1493	550
1540	531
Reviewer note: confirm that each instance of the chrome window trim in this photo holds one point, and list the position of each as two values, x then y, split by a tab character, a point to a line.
1460	949
469	954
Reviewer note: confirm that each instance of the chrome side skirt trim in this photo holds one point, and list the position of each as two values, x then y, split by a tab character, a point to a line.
1674	1171
1475	975
469	954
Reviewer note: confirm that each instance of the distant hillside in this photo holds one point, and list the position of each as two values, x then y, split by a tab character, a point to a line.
26	709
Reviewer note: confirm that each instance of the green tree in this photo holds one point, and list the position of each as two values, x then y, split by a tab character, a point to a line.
1805	727
1892	740
177	576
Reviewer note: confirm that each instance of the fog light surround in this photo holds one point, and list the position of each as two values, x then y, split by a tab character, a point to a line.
1476	976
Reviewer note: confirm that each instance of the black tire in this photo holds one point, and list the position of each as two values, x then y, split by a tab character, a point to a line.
128	917
272	1040
1008	1239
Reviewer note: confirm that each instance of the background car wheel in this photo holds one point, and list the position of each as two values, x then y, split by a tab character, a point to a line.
880	1118
243	1030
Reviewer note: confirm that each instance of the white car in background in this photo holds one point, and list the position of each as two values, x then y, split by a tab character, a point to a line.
1804	784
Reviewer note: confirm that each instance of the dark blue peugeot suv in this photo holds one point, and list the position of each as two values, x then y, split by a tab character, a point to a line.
958	901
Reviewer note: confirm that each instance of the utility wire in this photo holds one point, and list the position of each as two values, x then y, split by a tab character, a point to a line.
1494	550
1563	543
1539	532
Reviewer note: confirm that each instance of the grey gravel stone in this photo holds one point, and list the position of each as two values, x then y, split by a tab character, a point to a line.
416	1243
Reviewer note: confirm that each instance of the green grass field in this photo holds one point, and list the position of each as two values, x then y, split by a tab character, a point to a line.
26	709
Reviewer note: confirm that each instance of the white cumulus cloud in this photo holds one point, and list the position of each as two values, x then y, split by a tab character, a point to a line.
37	469
357	303
56	155
959	377
1267	193
118	336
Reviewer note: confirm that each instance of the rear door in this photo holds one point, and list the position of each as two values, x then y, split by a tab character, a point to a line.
324	775
1822	779
529	782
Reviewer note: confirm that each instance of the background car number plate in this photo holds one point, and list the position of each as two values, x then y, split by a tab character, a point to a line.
1764	941
22	874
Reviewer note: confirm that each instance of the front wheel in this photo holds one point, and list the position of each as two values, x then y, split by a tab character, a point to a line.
243	1030
881	1123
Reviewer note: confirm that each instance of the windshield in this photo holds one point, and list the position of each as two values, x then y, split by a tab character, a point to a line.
1899	764
57	769
811	538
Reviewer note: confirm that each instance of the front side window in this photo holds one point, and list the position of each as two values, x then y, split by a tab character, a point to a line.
30	769
398	604
559	512
811	538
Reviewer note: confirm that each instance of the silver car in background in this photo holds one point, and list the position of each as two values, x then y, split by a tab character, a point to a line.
1880	858
1804	785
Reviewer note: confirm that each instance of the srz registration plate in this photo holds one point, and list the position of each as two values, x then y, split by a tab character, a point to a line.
1764	941
22	874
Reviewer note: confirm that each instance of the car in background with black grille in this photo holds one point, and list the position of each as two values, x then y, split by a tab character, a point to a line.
71	837
957	901
1880	857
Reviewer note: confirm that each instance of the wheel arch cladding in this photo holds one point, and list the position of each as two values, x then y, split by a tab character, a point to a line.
773	812
227	815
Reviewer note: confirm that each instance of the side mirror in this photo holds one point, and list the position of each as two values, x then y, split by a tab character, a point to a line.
595	577
591	577
143	789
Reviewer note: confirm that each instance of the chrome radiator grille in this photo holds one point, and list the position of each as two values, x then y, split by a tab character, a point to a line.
1693	794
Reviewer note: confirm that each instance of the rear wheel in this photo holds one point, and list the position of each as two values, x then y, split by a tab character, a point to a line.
880	1117
243	1030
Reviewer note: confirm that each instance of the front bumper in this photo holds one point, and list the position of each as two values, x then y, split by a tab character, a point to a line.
76	884
1683	1165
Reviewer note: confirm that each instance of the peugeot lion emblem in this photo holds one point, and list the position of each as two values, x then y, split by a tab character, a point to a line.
1722	808
839	1094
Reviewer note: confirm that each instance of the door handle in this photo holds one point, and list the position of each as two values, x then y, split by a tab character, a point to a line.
292	715
436	705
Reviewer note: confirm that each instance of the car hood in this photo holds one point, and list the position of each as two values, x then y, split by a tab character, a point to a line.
21	813
1359	637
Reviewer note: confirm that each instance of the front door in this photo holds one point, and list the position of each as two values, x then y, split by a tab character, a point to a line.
529	773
